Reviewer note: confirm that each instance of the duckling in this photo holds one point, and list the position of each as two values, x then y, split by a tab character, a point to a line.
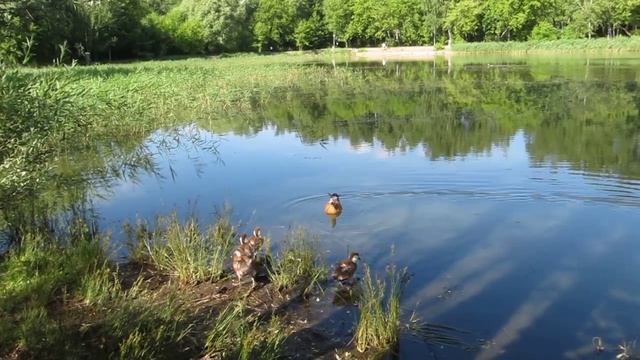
256	240
244	265
344	270
245	247
333	206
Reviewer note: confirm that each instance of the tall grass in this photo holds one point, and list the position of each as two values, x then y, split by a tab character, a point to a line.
563	45
379	327
38	114
185	251
298	265
235	333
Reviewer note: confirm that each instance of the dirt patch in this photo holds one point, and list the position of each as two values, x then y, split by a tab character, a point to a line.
399	53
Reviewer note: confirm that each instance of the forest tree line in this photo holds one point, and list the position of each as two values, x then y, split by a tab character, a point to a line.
98	30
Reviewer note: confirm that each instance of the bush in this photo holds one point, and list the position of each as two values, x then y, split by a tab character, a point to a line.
174	33
544	31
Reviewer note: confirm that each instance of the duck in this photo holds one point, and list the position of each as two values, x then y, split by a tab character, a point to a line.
244	264
344	270
333	206
256	240
245	247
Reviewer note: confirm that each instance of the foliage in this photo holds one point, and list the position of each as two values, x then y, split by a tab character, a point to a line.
544	31
32	30
274	24
223	22
338	16
37	114
311	32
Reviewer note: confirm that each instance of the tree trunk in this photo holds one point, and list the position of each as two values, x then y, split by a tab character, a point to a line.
450	37
333	43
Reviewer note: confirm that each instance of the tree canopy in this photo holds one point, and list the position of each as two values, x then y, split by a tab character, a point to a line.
98	30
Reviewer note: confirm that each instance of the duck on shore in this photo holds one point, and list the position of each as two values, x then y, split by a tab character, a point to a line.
345	269
244	265
244	257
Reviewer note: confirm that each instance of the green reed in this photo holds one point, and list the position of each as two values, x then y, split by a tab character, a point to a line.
379	326
298	265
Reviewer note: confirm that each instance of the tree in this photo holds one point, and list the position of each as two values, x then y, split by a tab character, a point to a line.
224	22
464	18
434	14
365	24
274	24
513	18
611	15
114	26
311	32
338	15
47	23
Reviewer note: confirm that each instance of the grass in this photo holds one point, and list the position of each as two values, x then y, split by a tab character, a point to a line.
184	250
563	45
298	265
379	326
236	334
68	300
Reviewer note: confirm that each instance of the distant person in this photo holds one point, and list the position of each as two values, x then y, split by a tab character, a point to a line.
384	45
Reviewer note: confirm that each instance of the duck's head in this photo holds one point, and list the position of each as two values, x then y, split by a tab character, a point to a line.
334	198
354	257
244	239
257	232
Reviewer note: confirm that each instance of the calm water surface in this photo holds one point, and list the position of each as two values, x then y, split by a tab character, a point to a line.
509	187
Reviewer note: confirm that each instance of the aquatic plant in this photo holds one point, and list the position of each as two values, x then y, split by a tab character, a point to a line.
298	264
379	326
184	251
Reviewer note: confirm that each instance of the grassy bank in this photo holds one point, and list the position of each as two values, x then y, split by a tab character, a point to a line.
564	45
69	300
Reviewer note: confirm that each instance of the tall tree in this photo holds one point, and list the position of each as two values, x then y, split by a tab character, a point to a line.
464	18
513	18
224	22
274	24
338	15
311	32
365	24
434	16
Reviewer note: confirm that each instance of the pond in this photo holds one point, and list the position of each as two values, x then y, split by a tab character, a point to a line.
509	187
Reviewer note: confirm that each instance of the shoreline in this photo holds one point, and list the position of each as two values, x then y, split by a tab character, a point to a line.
601	45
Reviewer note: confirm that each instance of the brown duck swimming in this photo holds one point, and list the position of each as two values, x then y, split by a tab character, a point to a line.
333	206
345	269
